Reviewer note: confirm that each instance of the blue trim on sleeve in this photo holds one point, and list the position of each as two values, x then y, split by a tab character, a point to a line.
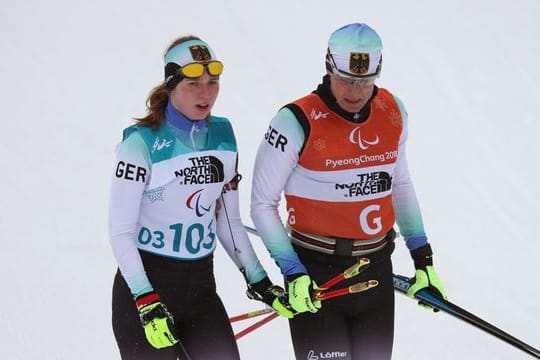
414	242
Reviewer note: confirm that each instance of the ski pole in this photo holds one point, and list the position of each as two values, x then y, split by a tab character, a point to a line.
250	314
256	325
356	288
402	284
322	294
347	274
182	352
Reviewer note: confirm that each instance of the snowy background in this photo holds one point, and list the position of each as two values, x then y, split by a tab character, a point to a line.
73	74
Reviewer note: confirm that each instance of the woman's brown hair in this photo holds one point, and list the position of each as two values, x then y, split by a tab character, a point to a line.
159	96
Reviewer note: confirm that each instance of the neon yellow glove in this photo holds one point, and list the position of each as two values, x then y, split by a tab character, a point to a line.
301	288
157	321
272	295
426	277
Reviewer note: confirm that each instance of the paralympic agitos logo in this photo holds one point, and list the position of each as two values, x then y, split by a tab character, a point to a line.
194	202
355	137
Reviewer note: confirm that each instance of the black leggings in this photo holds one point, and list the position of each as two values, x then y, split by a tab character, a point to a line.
354	326
188	290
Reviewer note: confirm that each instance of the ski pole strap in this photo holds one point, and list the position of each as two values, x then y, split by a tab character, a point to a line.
340	246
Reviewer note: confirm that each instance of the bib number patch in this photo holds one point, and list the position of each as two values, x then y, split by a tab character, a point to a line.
180	239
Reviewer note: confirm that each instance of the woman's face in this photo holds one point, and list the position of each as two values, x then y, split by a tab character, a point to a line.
350	97
194	98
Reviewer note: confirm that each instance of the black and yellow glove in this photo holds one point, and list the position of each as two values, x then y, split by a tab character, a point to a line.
157	321
426	277
272	295
300	290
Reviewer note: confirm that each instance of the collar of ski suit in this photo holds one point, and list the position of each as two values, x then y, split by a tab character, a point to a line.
179	121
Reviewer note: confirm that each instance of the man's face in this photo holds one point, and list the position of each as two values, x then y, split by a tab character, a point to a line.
351	95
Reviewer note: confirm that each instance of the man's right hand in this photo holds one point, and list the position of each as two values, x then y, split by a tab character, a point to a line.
300	288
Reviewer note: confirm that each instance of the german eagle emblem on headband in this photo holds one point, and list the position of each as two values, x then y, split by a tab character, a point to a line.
359	63
200	53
